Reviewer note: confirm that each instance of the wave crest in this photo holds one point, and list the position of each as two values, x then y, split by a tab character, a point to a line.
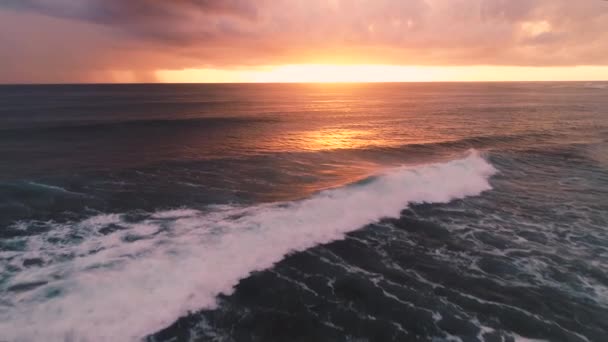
122	278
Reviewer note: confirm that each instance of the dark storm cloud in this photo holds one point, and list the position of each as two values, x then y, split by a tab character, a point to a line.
128	11
153	19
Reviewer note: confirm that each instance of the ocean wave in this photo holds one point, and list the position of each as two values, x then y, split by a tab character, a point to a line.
123	276
595	85
54	188
69	126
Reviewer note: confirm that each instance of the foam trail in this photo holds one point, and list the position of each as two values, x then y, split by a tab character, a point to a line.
595	85
141	277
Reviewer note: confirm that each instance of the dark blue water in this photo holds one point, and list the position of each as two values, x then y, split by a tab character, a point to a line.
338	212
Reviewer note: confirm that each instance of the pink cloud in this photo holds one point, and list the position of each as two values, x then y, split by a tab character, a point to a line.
144	35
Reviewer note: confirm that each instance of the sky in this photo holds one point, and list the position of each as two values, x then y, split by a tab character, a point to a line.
94	41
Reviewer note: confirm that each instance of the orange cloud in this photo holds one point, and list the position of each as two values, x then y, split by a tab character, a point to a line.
101	38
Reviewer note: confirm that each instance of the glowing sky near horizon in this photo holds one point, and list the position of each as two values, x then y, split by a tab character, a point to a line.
383	73
57	41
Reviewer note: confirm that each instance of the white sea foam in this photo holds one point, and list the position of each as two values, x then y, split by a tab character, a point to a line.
595	85
54	188
119	288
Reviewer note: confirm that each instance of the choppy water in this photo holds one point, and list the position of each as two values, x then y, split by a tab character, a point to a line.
363	212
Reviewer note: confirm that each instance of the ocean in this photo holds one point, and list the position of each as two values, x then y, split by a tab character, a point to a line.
304	212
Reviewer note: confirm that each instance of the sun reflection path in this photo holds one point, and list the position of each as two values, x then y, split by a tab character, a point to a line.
335	138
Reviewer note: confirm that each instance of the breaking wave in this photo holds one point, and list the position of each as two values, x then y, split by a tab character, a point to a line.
123	276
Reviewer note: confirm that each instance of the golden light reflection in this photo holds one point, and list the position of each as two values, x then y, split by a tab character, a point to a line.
329	73
337	173
333	139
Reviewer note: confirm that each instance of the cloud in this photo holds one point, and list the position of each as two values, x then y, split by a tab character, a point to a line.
225	33
122	12
178	20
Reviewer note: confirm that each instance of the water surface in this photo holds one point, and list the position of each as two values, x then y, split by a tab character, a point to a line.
329	212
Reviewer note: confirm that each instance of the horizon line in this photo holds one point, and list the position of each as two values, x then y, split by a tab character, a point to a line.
295	82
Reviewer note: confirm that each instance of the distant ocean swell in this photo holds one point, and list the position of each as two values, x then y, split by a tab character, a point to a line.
123	276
